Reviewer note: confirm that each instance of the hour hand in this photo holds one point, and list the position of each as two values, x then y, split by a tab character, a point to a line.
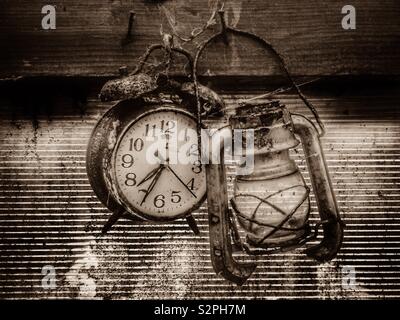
153	183
151	174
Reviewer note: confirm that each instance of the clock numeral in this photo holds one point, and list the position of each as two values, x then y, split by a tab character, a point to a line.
186	138
130	179
127	160
166	128
190	184
153	130
197	167
175	197
136	145
193	150
169	124
159	201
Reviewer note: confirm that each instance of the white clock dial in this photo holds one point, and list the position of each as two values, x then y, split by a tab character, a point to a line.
156	165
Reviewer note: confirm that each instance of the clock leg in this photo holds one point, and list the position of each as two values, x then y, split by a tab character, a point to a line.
112	220
193	224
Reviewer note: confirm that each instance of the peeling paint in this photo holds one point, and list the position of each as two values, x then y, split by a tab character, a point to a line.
112	137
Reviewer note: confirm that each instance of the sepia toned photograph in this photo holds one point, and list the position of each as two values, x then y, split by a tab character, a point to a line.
199	150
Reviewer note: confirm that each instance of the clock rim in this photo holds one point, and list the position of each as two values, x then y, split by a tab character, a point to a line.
120	196
98	152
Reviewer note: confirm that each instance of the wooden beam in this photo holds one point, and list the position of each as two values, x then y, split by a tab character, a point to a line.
308	33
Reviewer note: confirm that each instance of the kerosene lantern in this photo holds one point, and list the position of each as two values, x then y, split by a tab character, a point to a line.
271	205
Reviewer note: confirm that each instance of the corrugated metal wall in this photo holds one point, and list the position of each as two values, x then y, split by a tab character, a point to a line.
50	216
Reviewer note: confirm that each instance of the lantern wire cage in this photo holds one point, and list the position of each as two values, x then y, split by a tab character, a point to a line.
309	234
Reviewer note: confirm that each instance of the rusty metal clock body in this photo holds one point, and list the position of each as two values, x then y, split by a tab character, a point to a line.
143	154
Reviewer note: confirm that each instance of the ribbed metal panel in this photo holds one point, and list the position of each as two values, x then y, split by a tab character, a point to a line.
50	216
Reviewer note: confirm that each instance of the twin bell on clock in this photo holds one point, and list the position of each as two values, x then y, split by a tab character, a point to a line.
145	162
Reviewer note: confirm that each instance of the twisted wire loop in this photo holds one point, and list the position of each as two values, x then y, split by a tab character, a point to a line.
275	228
168	55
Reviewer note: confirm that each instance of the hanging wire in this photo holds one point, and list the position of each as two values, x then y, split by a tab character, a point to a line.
223	33
267	95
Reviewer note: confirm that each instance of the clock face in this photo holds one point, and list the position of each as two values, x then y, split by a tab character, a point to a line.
157	170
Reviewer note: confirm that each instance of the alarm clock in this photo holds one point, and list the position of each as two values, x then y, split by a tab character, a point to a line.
143	157
166	189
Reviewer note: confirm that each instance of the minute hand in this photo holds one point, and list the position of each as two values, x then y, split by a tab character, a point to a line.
152	184
150	175
180	180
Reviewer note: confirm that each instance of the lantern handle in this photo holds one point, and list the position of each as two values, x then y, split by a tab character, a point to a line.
223	34
322	186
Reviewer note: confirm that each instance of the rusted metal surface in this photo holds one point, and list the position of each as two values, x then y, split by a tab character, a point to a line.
152	89
130	87
222	259
50	215
141	93
328	208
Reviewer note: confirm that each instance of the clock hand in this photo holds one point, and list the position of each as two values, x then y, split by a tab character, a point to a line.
151	174
180	180
174	173
161	158
153	183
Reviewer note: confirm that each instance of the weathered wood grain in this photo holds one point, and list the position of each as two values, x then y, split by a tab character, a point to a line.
308	33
